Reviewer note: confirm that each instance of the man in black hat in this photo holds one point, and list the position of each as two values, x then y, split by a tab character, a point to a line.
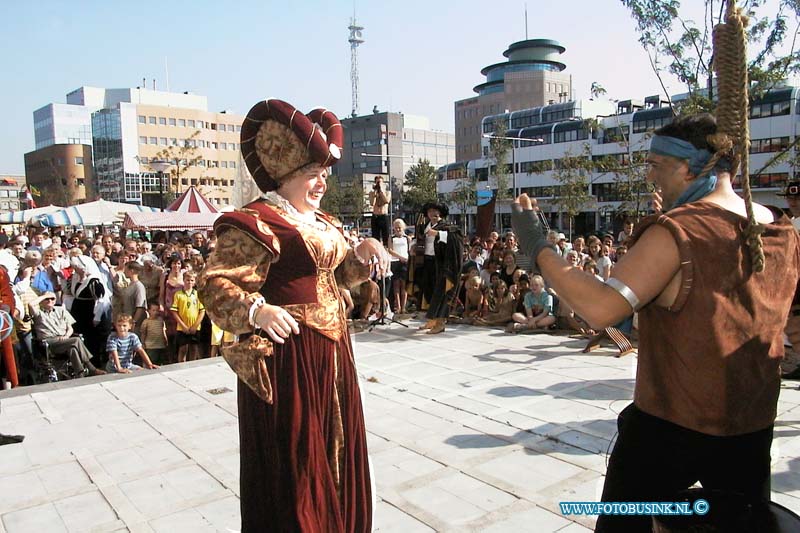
792	195
443	256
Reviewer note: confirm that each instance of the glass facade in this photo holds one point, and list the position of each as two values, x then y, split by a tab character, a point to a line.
108	166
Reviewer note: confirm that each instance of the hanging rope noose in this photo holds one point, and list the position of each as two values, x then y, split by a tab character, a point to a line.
733	128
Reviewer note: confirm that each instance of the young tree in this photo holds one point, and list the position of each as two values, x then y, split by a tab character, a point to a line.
420	186
343	200
465	194
500	149
629	169
182	157
573	174
678	46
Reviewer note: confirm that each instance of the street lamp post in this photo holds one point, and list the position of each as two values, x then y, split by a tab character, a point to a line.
160	166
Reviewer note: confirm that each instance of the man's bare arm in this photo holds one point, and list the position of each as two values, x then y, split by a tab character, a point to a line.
646	269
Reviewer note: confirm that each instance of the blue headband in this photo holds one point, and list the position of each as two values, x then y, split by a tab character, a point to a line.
680	149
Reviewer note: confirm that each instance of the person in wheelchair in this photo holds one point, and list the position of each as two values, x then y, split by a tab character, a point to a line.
53	324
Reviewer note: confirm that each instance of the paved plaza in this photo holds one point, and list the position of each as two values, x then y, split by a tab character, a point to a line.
470	430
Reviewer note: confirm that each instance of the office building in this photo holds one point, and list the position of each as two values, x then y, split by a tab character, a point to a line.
387	144
549	133
128	128
11	186
531	77
62	173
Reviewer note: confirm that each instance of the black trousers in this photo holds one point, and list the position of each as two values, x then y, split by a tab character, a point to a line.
654	459
380	228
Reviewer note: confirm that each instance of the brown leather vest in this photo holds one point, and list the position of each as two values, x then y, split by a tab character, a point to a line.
710	362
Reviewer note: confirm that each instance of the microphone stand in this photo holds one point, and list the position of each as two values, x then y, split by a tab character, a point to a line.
381	321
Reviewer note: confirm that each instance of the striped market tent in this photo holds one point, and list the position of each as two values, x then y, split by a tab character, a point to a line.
26	215
170	221
95	213
192	201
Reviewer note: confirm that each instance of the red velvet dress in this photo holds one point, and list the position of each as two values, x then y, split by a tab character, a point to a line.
9	364
304	455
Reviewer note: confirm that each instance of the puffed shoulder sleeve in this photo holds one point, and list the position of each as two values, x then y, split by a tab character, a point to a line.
235	272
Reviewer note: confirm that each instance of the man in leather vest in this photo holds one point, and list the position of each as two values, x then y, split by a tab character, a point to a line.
711	319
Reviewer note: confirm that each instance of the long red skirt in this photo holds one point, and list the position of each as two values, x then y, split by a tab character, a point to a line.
302	470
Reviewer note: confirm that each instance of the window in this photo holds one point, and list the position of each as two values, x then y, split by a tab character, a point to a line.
223	146
78	160
152	120
181	123
214	145
142	119
162	121
173	141
231	164
775	144
142	140
223	164
231	128
201	143
238	129
172	122
213	126
162	141
191	123
153	140
770	109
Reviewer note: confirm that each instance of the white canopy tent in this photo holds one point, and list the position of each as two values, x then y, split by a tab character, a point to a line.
95	213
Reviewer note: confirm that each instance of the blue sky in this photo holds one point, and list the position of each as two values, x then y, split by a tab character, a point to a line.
419	56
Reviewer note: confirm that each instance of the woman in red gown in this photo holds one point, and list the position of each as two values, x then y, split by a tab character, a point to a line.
273	280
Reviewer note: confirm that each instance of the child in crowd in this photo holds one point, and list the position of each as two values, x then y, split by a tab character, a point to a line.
522	288
134	296
538	309
188	311
474	299
590	267
121	347
154	334
500	306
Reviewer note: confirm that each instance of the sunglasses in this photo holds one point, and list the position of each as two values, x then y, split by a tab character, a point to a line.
49	299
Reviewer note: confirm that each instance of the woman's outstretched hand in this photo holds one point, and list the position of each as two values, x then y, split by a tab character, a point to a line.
369	248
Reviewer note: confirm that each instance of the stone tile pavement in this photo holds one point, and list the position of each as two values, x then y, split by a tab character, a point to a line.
470	430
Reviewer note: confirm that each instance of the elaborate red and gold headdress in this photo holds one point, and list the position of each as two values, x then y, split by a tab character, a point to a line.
278	140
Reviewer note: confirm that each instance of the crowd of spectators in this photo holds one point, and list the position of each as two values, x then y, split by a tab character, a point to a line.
498	287
114	303
109	302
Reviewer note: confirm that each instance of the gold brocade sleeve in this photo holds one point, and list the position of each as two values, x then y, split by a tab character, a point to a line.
230	283
351	271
